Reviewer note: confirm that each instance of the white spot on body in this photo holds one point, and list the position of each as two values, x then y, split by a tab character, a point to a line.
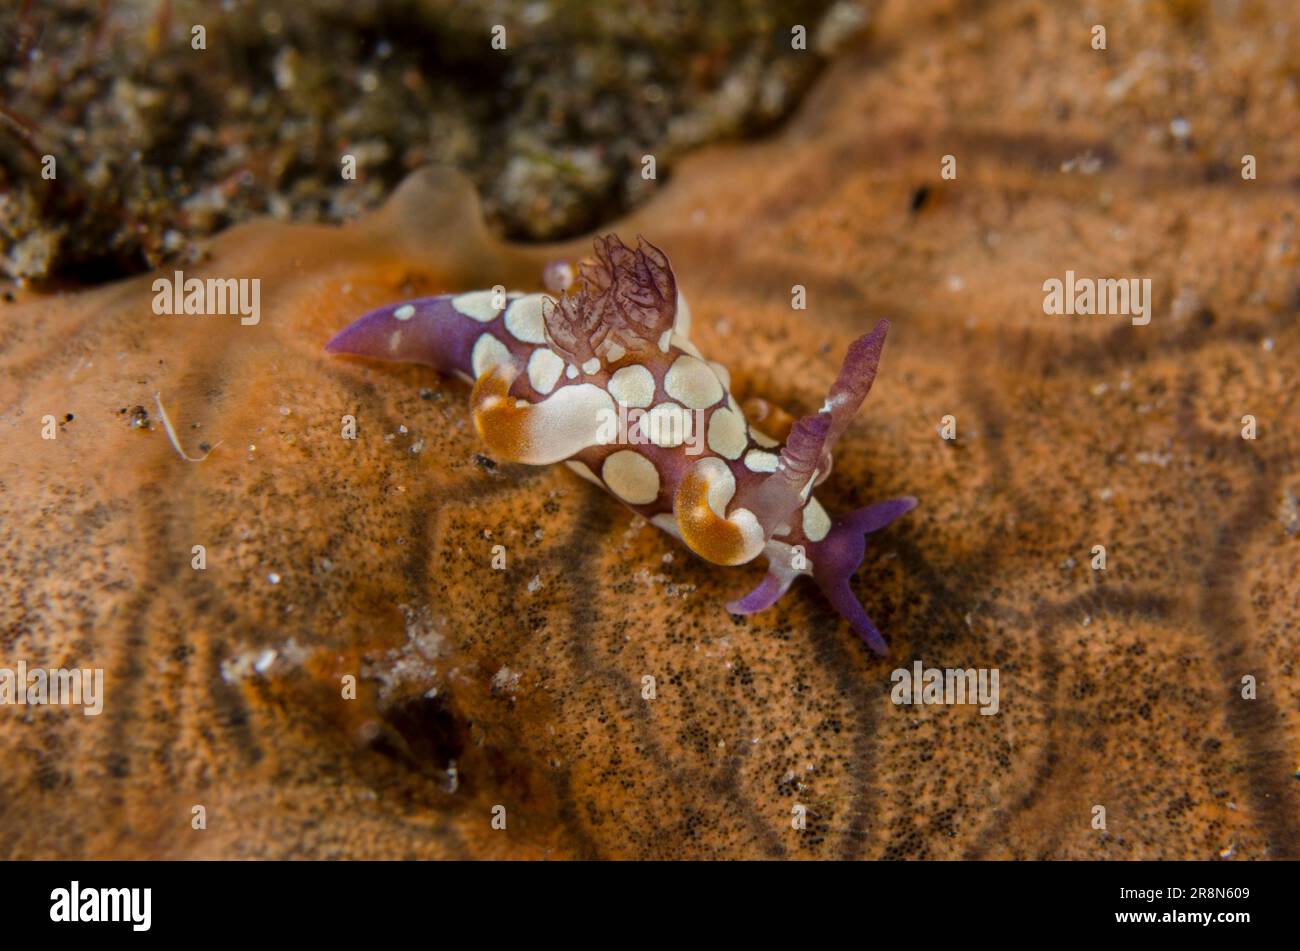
615	352
780	561
690	381
477	304
633	386
763	439
667	425
394	340
666	523
683	343
568	421
488	352
682	322
405	312
524	319
582	469
816	523
727	433
544	369
721	482
632	477
591	366
571	372
751	533
756	460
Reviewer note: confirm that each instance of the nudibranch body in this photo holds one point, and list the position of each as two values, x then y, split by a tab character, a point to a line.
607	381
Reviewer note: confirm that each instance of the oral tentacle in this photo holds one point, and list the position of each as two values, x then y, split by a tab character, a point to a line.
843	600
769	591
836	558
876	516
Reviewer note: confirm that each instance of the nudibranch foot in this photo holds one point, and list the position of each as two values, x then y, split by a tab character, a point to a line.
601	374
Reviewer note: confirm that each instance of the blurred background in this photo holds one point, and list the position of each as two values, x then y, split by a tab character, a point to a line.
159	143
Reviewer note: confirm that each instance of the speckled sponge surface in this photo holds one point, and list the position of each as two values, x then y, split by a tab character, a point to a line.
1159	689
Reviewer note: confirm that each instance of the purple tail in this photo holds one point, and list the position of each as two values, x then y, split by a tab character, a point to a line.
836	557
428	331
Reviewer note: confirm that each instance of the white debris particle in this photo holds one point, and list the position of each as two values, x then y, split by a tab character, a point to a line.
410	668
1085	164
535	584
236	668
505	680
264	661
1161	459
643	576
256	661
273	578
1289	515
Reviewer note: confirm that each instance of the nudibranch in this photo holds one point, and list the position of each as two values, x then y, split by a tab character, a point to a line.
551	371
